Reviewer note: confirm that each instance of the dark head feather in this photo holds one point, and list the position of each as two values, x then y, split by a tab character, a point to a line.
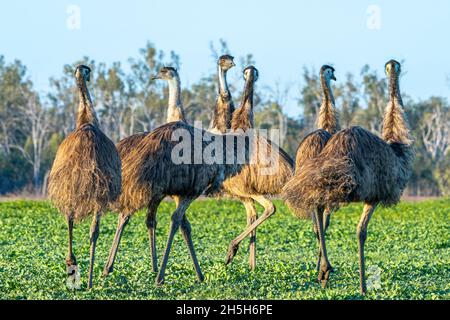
325	67
226	57
165	69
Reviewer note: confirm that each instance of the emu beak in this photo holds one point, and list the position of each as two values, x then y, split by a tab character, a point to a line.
333	77
153	78
233	64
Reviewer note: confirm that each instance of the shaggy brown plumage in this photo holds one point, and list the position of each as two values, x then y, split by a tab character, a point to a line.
148	170
358	166
85	176
352	167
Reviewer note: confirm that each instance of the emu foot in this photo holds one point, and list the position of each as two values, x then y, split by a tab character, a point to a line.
107	271
159	282
324	275
363	290
200	277
73	281
232	250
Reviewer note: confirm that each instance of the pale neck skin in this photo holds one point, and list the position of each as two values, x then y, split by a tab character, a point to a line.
175	111
86	112
223	85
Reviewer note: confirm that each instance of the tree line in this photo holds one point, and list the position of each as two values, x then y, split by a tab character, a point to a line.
32	125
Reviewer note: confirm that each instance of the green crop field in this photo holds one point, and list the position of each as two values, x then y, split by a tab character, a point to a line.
408	255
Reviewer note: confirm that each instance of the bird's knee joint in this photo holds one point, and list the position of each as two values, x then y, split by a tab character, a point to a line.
151	223
176	220
361	234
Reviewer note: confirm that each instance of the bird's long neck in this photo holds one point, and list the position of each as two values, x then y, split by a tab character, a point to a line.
395	125
86	113
175	111
328	117
224	105
243	116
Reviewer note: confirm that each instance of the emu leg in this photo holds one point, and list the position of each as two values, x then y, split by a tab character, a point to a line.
362	235
71	262
186	231
121	224
252	215
151	227
177	217
325	267
268	212
94	232
326	224
316	232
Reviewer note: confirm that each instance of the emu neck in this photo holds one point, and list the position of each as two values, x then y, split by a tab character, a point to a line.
175	111
243	117
394	89
86	113
395	125
224	105
328	118
223	85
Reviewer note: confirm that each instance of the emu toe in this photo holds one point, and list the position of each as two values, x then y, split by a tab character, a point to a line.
107	271
324	275
159	281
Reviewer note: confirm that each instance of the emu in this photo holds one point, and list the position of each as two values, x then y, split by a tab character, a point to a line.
86	173
252	184
358	166
150	174
312	145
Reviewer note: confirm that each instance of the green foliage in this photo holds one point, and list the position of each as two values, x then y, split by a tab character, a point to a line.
407	245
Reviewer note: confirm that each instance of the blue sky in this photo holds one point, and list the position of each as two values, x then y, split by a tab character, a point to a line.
283	36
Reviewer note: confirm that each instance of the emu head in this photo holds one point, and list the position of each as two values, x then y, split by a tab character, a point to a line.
251	71
393	67
166	73
83	72
327	72
226	62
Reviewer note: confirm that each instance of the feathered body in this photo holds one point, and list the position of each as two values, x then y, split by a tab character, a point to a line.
257	178
85	176
352	167
148	170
